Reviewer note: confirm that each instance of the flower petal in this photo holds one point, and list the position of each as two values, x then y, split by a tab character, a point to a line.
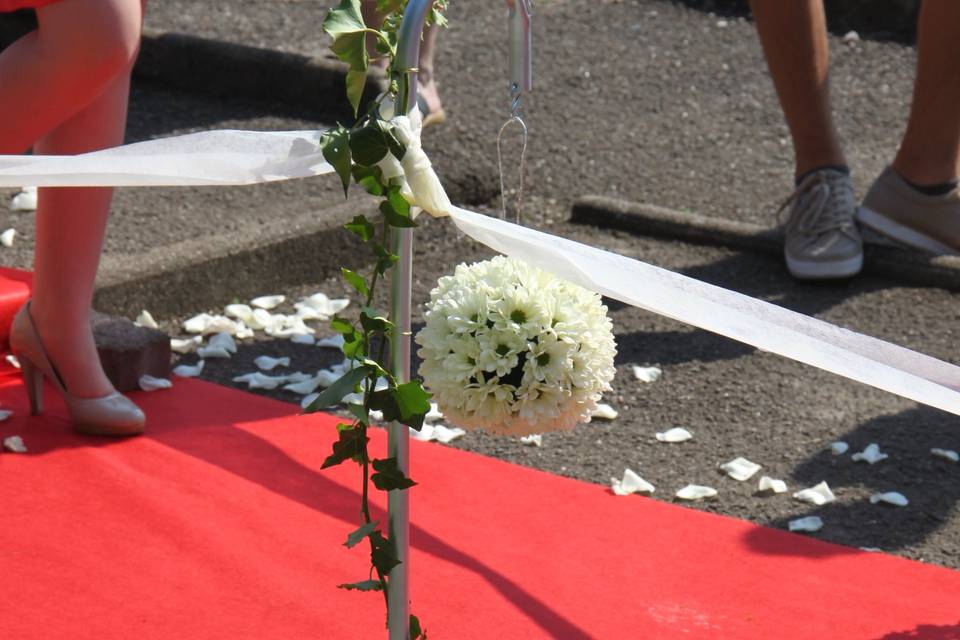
772	484
14	444
150	383
895	498
187	371
810	524
268	302
740	469
696	492
630	483
146	320
647	374
676	434
871	454
819	495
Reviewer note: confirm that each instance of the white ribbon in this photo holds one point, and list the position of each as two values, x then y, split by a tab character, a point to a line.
245	157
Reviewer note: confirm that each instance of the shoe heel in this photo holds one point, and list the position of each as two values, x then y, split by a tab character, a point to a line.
33	381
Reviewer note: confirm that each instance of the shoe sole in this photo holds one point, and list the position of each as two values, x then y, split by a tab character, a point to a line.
825	270
904	235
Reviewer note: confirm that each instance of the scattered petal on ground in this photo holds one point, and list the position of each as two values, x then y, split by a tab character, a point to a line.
6	238
772	484
205	323
434	414
871	454
890	497
305	387
268	302
223	340
305	338
604	412
696	492
437	432
281	326
146	320
851	37
5	414
533	440
333	342
268	364
209	352
949	454
871	549
187	371
185	345
308	399
376	415
839	448
631	483
740	469
810	523
150	383
647	374
258	380
677	434
320	307
241	312
818	495
26	200
14	444
12	359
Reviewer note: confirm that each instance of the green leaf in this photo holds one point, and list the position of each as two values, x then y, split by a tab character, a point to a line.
360	226
354	538
335	392
372	320
349	445
406	403
356	281
385	259
345	18
368	145
335	145
394	218
359	412
416	632
382	554
356	82
342	326
371	179
389	477
363	585
353	346
393	143
398	202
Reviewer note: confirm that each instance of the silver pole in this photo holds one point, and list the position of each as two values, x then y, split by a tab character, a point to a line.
398	435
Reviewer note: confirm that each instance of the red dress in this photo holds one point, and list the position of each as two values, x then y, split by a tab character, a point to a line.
13	5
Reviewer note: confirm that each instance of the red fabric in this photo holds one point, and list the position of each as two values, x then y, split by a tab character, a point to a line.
218	524
13	5
15	286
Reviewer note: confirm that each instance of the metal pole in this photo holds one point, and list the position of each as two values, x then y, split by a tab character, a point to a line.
398	436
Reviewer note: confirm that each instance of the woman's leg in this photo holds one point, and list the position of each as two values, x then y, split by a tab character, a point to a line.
65	92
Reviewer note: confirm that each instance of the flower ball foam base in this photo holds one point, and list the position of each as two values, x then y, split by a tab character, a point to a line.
511	349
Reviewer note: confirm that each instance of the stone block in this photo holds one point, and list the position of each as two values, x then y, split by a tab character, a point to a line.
127	351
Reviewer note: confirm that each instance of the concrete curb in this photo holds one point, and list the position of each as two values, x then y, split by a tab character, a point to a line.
189	277
900	265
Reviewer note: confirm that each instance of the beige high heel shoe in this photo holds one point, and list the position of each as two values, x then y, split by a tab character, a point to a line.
111	415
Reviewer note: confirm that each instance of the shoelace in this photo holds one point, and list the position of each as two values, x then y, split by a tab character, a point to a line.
820	207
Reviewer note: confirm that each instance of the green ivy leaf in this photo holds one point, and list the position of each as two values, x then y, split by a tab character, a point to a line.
385	259
363	585
344	19
342	326
356	281
406	403
354	538
395	218
360	226
372	320
398	202
349	445
389	477
335	145
335	392
371	179
356	82
382	554
416	631
353	346
359	412
368	145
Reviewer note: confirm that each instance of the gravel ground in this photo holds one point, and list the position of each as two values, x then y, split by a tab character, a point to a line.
672	106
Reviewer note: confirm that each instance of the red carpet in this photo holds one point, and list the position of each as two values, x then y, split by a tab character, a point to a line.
218	525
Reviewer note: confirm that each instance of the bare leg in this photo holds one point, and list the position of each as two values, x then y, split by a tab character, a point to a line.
794	39
65	92
930	151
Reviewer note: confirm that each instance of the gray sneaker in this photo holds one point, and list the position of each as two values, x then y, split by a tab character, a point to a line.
897	210
822	240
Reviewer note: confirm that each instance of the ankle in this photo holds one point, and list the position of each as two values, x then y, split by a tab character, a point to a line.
934	178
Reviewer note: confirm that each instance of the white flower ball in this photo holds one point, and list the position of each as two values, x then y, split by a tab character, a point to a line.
511	349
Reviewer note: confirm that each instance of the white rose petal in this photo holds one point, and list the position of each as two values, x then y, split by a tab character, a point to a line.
890	497
305	387
268	302
223	340
425	434
851	37
303	338
258	380
187	371
267	363
631	483
533	440
677	434
375	415
320	307
6	238
839	448
26	200
332	342
308	400
772	484
818	495
14	444
208	352
187	345
647	374
434	414
696	492
871	549
949	454
146	320
205	323
12	359
446	434
810	523
151	383
5	414
740	469
604	412
871	454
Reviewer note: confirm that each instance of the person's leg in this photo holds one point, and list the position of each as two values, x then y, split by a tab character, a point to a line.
794	39
65	92
930	151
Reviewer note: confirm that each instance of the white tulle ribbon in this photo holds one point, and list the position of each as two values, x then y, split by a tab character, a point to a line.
246	157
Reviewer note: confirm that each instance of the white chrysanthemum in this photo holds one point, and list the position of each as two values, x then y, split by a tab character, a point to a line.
512	349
